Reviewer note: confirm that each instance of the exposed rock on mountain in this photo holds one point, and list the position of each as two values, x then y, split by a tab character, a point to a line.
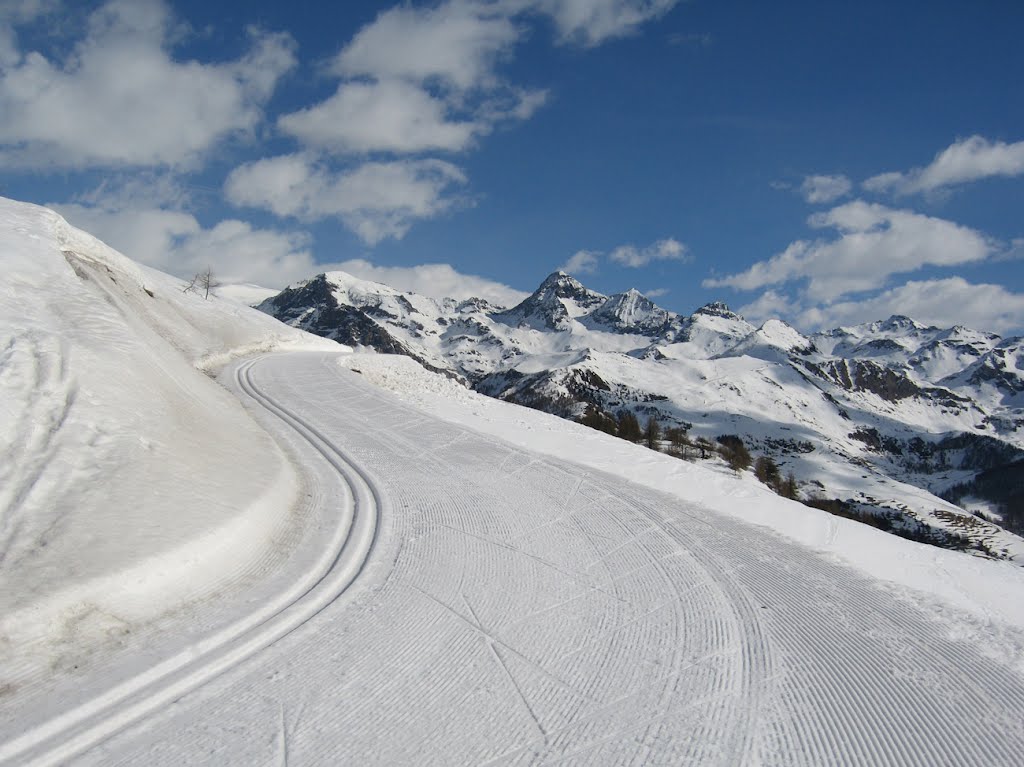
880	415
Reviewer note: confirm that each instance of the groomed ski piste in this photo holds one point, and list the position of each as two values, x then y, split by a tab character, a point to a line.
341	558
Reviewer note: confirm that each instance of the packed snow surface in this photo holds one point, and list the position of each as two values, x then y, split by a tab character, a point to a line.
325	558
523	609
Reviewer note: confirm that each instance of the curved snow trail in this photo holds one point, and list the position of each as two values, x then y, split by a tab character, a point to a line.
342	557
538	613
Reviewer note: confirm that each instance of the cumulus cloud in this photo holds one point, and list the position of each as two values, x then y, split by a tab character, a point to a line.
376	200
435	280
581	262
668	249
14	13
769	305
873	243
425	79
174	241
824	189
146	219
592	22
456	44
388	116
940	302
417	80
120	99
966	160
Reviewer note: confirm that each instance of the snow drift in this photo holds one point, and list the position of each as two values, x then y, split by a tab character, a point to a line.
129	480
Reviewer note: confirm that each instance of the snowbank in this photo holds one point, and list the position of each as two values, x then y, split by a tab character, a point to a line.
129	480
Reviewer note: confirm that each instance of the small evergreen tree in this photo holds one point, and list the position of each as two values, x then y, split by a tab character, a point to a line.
767	471
788	487
596	418
652	432
734	452
628	427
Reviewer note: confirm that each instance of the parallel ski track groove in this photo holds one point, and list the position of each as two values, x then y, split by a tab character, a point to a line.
91	723
559	618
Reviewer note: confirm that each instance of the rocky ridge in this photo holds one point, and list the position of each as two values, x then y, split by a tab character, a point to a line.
887	415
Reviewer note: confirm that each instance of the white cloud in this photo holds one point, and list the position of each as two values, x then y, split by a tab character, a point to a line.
12	14
424	79
388	116
435	280
769	305
376	200
140	218
873	243
656	292
964	161
592	22
417	80
824	189
942	302
581	262
175	242
668	249
120	99
456	44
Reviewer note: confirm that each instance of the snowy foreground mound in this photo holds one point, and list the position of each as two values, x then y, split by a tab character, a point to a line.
129	480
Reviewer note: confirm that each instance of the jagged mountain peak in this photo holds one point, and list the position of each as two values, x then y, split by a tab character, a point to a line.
563	285
718	309
898	323
875	394
632	312
554	304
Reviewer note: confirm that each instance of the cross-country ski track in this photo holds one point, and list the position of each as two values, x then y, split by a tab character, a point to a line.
356	508
509	608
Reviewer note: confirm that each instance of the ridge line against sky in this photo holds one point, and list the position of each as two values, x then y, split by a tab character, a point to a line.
821	166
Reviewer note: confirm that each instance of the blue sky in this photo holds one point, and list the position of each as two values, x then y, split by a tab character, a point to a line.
827	163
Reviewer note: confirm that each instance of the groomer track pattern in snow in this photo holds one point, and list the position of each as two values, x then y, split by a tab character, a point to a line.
525	610
177	587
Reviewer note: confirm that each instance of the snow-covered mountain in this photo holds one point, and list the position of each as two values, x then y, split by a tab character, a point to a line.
884	415
178	505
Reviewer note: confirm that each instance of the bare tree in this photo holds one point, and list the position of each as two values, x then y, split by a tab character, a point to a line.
202	282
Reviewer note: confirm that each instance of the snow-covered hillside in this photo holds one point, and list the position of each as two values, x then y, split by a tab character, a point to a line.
883	416
129	480
288	563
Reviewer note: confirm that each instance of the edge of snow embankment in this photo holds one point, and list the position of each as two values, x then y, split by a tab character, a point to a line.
986	589
341	558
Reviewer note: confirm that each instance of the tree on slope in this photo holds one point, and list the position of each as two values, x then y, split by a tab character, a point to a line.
734	452
652	432
596	418
679	442
628	427
767	471
202	282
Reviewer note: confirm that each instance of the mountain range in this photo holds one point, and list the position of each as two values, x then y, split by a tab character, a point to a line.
883	417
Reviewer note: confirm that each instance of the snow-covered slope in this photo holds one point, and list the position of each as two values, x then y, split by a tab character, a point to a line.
882	415
460	591
129	480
